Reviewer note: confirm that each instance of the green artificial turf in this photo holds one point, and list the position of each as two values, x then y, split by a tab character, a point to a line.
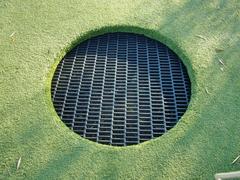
34	35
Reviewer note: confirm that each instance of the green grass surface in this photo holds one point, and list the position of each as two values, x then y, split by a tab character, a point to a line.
34	35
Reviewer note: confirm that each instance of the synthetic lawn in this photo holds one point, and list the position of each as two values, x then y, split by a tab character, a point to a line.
35	35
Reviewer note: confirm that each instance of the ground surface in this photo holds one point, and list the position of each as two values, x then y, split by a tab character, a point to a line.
34	35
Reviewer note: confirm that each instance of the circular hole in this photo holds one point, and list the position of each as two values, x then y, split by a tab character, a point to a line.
120	89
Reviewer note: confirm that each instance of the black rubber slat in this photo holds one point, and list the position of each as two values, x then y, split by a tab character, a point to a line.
120	89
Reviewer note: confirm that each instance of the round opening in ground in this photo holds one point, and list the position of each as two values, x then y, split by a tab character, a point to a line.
120	89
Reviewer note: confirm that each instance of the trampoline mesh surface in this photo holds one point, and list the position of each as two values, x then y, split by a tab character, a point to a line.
120	89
